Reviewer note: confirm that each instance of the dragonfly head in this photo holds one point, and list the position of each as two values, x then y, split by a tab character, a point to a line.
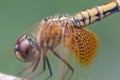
25	49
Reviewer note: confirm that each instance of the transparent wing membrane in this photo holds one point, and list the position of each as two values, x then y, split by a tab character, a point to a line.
78	49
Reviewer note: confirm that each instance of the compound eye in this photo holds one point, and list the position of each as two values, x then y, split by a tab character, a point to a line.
21	39
22	47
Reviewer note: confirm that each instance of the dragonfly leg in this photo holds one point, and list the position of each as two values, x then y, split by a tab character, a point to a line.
65	62
45	61
49	68
34	64
44	68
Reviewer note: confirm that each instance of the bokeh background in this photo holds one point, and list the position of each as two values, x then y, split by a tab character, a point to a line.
18	16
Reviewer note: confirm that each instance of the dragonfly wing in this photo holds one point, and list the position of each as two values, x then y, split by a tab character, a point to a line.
82	43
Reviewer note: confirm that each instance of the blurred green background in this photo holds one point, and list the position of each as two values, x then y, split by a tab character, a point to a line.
18	16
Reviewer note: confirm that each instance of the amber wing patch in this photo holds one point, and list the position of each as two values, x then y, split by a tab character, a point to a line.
83	44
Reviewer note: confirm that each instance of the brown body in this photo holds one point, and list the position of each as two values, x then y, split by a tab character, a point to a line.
53	31
70	31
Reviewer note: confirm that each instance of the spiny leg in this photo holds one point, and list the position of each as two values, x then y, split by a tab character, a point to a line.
45	61
49	68
44	68
34	64
63	71
26	68
64	61
34	68
67	73
63	75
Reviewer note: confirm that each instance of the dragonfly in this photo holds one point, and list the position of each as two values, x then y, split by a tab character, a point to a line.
68	31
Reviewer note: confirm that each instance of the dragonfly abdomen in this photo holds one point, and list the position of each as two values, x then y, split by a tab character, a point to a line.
96	14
